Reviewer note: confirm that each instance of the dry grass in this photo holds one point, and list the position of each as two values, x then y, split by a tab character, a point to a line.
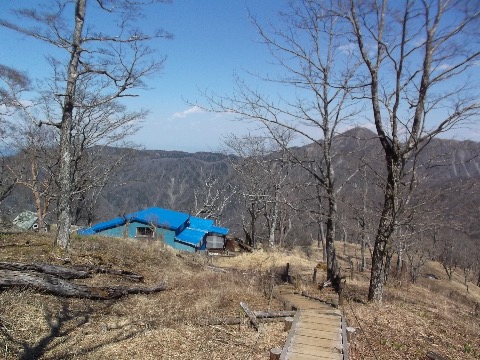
157	326
432	315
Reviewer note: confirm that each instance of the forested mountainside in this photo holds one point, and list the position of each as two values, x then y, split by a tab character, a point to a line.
189	182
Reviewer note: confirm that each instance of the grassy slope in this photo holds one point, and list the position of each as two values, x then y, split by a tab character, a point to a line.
435	315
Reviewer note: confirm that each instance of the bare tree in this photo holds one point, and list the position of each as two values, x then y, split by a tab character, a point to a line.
95	131
110	65
418	249
211	199
35	163
257	184
309	47
417	60
12	84
264	183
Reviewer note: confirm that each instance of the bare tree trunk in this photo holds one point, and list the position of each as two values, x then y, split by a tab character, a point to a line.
64	176
273	225
253	220
385	230
36	196
363	266
388	263
332	265
363	223
398	268
322	239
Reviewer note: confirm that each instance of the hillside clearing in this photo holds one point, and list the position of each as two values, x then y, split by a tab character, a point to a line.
433	315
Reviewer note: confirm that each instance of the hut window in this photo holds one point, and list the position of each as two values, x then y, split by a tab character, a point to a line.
144	232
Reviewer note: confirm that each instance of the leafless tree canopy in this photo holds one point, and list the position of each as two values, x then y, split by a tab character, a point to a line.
99	55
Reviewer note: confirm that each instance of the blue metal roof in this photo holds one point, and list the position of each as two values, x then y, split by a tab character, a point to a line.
159	217
191	236
206	225
103	226
218	230
200	223
194	228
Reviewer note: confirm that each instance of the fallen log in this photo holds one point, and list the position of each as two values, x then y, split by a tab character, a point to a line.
69	272
105	270
61	287
434	356
244	246
251	315
63	272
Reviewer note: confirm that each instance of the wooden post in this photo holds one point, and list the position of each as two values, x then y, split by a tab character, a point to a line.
251	315
288	323
287	273
314	275
275	353
287	305
352	270
335	302
271	290
351	332
340	292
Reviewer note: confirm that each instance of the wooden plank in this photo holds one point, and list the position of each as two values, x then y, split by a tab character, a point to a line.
291	334
318	327
345	344
250	314
294	356
308	340
273	314
323	313
308	304
318	334
319	324
316	350
316	353
329	321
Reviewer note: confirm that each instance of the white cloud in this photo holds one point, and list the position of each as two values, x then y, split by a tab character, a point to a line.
183	114
442	67
347	49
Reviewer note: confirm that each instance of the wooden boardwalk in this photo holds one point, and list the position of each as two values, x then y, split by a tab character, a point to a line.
318	330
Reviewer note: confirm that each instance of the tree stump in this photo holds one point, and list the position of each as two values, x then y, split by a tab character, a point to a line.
351	333
288	323
275	353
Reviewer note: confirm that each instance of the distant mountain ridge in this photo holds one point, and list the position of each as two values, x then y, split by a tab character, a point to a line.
169	178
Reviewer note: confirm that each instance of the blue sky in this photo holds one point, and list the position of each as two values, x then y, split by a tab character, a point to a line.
213	39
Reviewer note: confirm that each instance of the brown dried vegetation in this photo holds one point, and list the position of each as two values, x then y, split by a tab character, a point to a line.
166	325
432	315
